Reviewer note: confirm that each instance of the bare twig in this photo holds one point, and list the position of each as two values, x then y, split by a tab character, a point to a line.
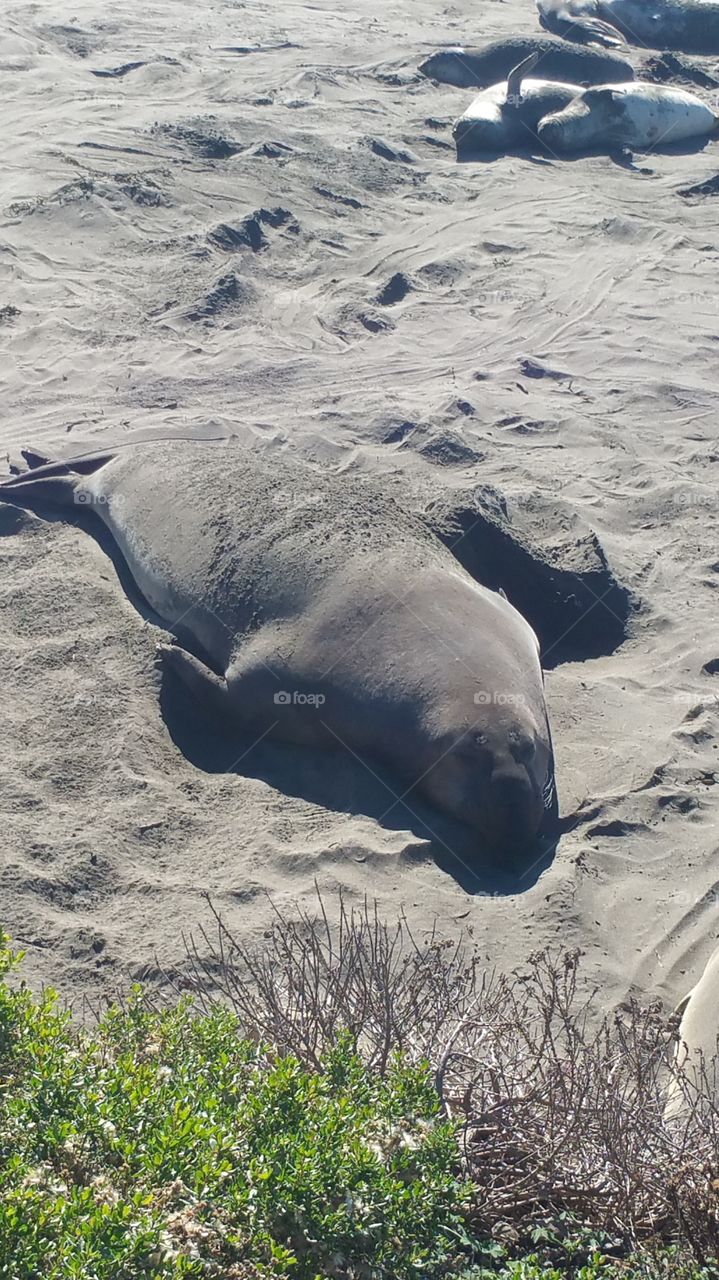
557	1111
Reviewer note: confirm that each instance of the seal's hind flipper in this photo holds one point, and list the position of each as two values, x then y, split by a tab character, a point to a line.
48	481
515	77
35	459
58	489
40	465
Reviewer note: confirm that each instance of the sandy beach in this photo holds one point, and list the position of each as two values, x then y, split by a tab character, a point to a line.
248	220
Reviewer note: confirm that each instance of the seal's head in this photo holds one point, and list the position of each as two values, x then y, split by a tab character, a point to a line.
498	778
485	130
592	116
449	66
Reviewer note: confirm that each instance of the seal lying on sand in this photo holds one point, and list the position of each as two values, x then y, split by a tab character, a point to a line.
331	617
627	115
557	60
689	26
698	1032
506	115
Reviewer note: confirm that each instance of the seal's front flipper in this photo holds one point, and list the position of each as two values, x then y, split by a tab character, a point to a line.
602	94
596	31
623	157
208	688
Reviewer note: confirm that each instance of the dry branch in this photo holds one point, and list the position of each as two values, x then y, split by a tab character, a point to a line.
556	1113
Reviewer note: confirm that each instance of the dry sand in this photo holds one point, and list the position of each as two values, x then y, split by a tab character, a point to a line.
143	293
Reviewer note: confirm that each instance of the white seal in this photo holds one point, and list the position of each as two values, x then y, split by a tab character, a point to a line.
636	114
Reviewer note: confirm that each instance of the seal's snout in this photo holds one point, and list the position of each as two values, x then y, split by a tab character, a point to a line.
462	133
551	133
495	782
475	135
517	809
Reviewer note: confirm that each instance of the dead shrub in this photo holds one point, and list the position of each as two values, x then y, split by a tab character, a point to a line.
559	1116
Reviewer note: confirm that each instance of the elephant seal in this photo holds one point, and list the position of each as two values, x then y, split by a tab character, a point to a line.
557	60
698	1033
506	115
686	26
328	616
627	115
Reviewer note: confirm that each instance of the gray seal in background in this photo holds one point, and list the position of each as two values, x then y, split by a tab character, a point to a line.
477	68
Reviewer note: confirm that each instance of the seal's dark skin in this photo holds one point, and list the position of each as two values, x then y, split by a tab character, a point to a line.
558	60
687	26
300	585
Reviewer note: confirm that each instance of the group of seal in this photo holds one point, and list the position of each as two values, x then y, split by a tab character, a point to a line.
565	118
586	99
589	98
327	615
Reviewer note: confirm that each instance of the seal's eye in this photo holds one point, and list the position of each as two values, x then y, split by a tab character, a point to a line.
521	746
475	749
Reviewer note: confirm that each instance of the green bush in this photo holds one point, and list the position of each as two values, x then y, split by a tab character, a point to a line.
164	1143
580	1255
